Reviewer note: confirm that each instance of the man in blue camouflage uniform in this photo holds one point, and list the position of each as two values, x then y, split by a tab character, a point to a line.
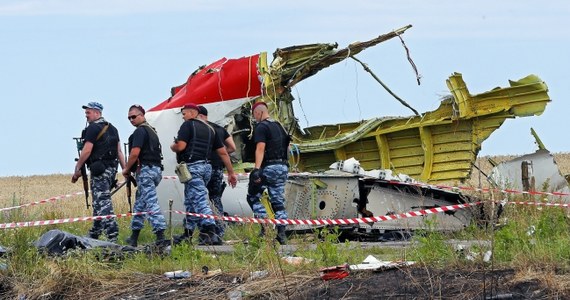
216	185
271	168
196	139
145	160
101	152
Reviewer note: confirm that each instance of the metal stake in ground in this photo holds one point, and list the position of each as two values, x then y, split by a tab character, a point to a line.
170	202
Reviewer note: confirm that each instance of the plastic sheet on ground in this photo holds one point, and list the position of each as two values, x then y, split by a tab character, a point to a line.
57	242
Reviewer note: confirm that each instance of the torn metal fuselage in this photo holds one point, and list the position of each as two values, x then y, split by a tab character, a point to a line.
536	172
340	195
438	145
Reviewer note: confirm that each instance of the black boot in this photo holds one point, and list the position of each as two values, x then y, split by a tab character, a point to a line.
186	236
159	236
132	240
208	236
281	236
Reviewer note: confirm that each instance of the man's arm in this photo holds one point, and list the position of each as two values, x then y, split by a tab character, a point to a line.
230	144
178	146
85	153
133	157
259	154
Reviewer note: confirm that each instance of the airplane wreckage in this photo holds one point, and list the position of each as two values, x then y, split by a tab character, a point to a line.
435	146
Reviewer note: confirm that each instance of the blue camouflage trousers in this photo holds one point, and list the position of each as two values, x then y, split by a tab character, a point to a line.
147	199
102	205
196	194
216	187
273	179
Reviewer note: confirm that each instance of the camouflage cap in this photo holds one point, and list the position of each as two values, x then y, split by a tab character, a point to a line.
93	105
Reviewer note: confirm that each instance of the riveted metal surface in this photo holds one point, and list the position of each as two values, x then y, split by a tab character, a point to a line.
385	201
307	201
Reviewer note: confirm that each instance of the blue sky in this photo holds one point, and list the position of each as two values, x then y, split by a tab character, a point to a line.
57	55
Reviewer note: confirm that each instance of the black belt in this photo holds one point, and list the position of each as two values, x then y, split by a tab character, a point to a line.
153	165
196	160
107	162
274	162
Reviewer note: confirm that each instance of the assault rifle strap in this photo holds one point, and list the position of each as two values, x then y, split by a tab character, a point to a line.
102	131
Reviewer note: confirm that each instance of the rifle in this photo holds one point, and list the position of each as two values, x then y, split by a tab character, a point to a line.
130	181
79	144
129	191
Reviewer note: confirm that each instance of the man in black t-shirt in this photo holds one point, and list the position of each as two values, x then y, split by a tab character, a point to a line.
216	185
271	168
196	139
145	160
101	152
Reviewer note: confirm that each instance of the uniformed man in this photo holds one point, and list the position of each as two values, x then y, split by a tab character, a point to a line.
196	139
101	152
145	161
271	167
216	185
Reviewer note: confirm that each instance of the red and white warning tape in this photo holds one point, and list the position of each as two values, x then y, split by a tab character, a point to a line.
541	204
485	190
335	221
345	221
253	220
62	221
52	199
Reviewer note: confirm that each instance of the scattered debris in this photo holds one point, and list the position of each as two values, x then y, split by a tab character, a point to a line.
337	272
296	260
531	230
470	255
258	274
213	273
235	295
179	274
374	264
3	251
487	256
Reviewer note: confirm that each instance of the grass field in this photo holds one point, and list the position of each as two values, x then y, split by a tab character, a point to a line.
542	257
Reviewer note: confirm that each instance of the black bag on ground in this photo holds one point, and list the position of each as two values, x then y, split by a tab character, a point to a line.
56	242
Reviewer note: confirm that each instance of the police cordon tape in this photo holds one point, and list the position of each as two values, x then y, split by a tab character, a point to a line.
255	220
345	221
486	190
67	220
540	204
52	199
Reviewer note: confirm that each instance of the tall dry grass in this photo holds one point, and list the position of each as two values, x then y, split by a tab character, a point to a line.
18	190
